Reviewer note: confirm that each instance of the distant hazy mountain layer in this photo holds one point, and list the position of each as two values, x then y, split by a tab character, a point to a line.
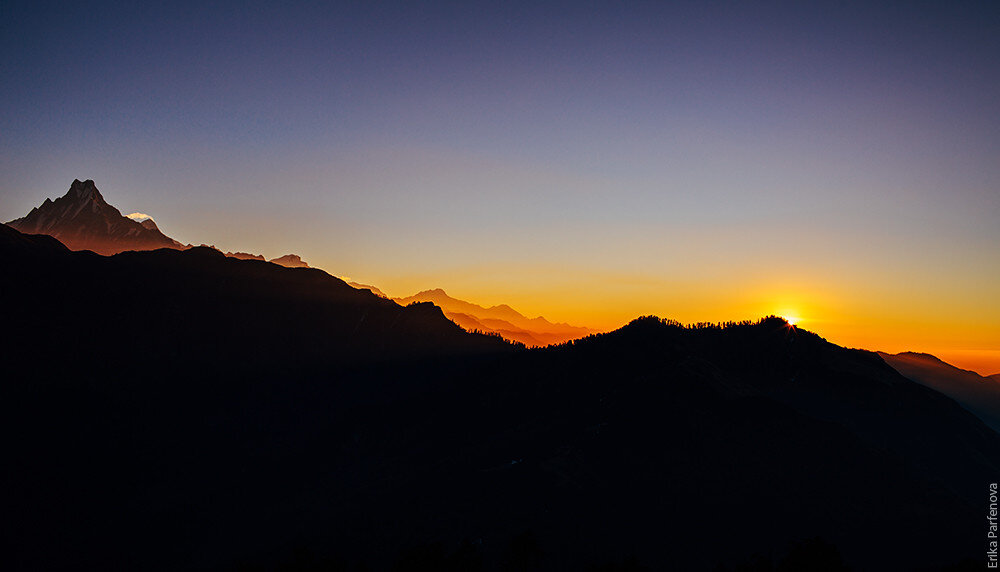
502	320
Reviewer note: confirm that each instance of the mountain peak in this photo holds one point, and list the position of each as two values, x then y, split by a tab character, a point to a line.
290	261
82	220
916	357
84	190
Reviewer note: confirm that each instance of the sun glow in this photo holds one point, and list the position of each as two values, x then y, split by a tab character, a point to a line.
791	318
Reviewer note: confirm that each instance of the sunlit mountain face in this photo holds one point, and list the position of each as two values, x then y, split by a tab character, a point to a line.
82	220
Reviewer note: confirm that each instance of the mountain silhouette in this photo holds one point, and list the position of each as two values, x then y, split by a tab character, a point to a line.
181	409
501	319
290	261
245	256
82	220
978	394
506	330
197	302
374	290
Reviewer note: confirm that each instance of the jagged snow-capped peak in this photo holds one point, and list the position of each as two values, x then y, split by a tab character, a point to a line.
82	220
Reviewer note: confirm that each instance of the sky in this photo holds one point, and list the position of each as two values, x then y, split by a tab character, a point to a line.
586	161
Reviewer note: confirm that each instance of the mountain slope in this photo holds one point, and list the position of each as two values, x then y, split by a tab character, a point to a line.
978	394
82	220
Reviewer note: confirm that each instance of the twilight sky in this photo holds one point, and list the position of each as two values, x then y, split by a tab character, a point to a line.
587	161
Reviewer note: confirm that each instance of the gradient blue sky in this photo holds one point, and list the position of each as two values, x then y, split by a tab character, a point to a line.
588	161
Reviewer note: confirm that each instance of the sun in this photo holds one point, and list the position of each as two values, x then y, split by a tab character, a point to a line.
790	315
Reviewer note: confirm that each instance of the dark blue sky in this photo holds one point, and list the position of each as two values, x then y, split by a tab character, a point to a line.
264	77
511	151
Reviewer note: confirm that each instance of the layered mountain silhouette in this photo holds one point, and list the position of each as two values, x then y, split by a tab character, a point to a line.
374	290
199	302
978	394
82	220
180	409
288	260
502	320
245	256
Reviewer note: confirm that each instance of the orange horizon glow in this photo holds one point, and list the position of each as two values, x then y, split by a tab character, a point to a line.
954	332
678	163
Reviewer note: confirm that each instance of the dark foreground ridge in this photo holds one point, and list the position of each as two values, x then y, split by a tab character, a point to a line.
183	410
186	309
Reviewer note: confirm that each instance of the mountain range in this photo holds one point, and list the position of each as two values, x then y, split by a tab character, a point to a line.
178	408
196	301
82	220
181	409
502	320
